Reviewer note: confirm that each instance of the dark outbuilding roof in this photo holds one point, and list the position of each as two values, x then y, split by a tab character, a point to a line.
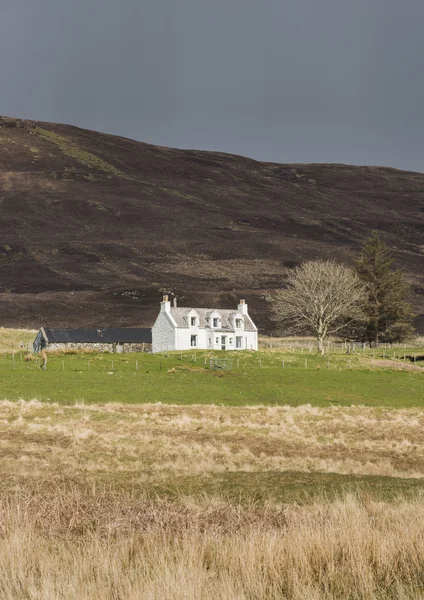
118	335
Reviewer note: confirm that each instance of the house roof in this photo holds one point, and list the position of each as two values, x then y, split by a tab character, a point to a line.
180	315
123	335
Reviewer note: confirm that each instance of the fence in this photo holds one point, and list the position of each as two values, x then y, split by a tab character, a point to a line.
309	345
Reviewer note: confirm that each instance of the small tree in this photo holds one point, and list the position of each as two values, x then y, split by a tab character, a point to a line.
322	298
388	314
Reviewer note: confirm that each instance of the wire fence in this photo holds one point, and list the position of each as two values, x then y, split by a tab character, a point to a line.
310	345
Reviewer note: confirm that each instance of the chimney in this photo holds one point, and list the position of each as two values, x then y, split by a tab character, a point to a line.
242	307
174	302
165	305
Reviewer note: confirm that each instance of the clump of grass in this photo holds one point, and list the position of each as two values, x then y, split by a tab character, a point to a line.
72	150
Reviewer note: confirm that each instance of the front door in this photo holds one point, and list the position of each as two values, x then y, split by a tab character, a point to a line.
223	342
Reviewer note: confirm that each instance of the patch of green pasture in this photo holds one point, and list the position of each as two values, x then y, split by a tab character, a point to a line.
256	378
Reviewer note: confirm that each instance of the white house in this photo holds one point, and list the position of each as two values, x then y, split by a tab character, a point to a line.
178	328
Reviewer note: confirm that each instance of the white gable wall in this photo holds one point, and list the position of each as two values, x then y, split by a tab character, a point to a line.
164	333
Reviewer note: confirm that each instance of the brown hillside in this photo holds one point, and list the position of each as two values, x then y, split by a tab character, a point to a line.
94	227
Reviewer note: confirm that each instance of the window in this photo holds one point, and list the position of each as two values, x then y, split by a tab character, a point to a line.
193	321
230	340
238	323
239	340
217	340
215	322
193	341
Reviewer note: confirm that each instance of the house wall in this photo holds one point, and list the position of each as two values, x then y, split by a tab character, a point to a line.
163	333
168	336
183	339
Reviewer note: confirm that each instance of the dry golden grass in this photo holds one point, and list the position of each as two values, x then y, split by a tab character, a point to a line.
138	442
79	517
16	339
64	545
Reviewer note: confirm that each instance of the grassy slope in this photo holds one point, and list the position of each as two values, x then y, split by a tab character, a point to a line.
258	378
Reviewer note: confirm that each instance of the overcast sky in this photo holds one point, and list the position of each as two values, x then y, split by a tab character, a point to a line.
280	80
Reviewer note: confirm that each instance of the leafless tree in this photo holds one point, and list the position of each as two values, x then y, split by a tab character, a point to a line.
322	298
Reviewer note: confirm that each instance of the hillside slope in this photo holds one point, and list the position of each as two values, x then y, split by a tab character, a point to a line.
94	227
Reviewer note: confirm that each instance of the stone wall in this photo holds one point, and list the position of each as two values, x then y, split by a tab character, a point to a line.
112	348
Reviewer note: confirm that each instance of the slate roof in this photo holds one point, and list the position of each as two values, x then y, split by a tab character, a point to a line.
123	335
180	314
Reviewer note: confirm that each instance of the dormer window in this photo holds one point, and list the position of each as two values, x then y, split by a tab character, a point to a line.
239	323
193	321
215	322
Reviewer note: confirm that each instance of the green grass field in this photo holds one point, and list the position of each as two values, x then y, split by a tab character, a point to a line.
255	378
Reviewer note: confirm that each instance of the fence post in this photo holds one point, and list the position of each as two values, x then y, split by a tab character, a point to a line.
306	363
136	365
63	365
283	363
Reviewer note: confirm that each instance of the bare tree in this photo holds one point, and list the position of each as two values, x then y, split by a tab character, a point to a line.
322	298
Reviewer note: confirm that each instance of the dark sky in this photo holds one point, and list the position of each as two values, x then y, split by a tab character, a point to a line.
280	80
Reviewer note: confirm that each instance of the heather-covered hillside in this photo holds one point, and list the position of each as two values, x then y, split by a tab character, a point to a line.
94	227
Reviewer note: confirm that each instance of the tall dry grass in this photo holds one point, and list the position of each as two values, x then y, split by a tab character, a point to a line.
63	545
74	523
